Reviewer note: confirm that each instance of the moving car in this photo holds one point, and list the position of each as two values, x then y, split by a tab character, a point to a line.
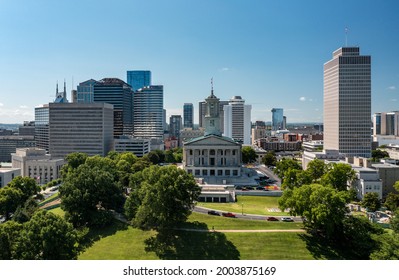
228	214
213	212
287	219
272	219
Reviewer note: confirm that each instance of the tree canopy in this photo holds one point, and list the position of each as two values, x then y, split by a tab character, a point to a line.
26	185
161	197
90	191
339	176
248	154
371	201
269	159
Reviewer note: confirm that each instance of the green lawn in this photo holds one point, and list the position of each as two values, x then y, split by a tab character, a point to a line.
58	211
125	242
259	205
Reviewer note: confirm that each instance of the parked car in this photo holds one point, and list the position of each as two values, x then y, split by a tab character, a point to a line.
287	219
260	188
238	188
213	212
272	219
228	214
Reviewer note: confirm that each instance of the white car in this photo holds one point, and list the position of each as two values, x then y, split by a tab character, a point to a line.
287	219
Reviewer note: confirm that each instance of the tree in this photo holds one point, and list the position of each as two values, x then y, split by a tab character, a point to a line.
269	159
248	154
153	157
74	160
316	168
9	233
10	199
388	247
371	201
294	178
339	176
161	197
89	192
284	165
395	222
379	154
322	207
47	237
392	201
25	211
26	185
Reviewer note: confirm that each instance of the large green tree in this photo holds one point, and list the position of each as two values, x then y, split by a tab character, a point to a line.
284	165
9	234
392	201
316	169
26	185
248	154
323	208
161	197
89	192
10	199
47	237
269	159
339	176
371	201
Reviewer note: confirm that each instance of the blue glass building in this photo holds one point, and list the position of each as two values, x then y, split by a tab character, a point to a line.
277	119
188	115
138	79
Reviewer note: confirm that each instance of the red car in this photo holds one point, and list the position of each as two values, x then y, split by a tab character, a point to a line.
272	219
228	214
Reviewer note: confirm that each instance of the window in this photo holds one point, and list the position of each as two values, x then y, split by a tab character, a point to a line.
235	173
220	172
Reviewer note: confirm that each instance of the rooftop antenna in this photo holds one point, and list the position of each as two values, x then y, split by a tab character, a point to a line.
212	86
346	36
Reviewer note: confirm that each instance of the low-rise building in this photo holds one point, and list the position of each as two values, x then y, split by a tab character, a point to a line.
36	164
367	181
7	174
127	143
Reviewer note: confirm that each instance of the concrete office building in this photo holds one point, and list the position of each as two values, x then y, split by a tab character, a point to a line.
347	103
127	143
237	120
36	164
386	123
8	145
188	115
7	175
138	79
80	127
175	125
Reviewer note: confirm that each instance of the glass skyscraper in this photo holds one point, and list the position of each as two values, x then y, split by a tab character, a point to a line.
347	102
138	79
277	119
188	115
148	112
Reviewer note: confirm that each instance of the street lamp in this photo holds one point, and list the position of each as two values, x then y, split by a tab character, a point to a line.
242	208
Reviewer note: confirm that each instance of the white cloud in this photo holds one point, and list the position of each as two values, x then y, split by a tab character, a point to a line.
303	98
394	100
392	88
317	109
224	69
23	107
1	104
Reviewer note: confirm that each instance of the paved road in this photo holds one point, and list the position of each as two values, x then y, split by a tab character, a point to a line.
268	172
205	210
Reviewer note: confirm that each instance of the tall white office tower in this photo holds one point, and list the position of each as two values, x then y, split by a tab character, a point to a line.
237	120
347	103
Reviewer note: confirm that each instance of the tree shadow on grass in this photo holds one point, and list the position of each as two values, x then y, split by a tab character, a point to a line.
90	235
193	243
319	248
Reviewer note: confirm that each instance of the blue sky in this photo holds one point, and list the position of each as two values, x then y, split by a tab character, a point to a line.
269	52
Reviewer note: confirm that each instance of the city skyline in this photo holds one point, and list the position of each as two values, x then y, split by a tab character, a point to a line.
271	54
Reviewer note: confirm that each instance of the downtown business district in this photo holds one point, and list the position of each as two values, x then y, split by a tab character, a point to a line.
111	114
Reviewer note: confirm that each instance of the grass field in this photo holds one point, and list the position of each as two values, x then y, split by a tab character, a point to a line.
259	205
121	242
